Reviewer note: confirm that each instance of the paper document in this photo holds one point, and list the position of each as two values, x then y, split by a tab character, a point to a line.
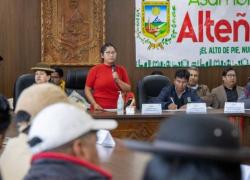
104	138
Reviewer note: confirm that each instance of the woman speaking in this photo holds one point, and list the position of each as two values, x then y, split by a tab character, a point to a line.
105	80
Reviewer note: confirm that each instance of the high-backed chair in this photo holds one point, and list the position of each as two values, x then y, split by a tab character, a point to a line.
150	86
21	83
76	80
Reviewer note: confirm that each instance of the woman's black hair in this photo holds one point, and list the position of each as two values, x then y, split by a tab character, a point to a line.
105	46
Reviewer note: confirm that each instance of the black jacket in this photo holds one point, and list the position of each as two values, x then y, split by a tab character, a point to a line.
168	93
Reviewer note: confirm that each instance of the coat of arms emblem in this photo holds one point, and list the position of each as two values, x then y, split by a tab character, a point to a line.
157	21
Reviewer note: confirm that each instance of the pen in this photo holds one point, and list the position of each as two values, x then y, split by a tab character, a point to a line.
172	100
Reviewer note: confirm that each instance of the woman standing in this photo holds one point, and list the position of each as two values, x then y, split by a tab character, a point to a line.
105	80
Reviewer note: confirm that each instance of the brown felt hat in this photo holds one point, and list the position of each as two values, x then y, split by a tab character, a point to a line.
42	67
38	96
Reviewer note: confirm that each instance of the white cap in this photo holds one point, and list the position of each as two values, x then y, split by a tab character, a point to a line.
61	123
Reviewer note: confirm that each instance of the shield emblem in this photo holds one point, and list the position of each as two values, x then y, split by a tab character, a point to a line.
155	19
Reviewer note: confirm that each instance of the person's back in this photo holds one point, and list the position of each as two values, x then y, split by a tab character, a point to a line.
65	155
16	155
194	147
55	166
162	168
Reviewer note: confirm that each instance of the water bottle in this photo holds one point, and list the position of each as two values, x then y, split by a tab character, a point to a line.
120	104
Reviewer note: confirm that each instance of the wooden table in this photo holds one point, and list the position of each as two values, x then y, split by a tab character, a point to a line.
123	163
144	127
128	165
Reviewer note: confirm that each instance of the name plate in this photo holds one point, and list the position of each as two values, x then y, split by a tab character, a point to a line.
234	107
151	109
196	108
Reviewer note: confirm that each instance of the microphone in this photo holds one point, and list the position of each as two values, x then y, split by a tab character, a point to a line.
129	102
113	68
1	58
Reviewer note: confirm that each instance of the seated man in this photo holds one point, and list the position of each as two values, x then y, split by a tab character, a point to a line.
228	91
202	90
177	95
4	117
70	151
245	97
57	77
42	73
194	147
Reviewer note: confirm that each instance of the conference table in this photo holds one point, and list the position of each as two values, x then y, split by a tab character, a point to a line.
122	163
144	127
125	164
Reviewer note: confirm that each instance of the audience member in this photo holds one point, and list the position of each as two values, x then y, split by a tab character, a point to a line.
105	80
157	73
245	97
16	155
42	73
202	90
177	95
194	147
4	118
65	155
228	91
57	77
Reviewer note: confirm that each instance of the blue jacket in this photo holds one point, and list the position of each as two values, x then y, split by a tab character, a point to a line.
169	92
58	166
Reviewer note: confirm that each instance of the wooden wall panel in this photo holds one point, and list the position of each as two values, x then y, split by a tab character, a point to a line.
20	42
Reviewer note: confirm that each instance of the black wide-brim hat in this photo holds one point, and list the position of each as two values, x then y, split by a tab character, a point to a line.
196	136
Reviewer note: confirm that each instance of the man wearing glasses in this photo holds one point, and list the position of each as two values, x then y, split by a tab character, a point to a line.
228	91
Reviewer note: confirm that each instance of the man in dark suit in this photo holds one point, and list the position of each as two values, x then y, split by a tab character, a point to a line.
228	91
177	95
